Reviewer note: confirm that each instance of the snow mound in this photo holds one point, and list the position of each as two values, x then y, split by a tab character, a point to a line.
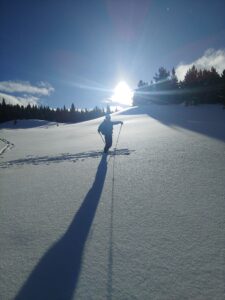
205	119
23	124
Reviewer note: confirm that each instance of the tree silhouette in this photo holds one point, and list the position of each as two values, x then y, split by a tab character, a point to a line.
13	112
141	83
199	86
162	75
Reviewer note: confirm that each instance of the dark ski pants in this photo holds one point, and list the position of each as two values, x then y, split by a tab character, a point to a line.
108	142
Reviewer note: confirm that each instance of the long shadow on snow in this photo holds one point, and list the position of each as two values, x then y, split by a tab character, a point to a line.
57	273
48	159
205	119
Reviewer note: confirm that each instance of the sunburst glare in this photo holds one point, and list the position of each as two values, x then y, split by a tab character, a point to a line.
122	94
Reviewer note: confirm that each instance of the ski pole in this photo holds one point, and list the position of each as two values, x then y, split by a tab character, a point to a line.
120	130
118	138
101	137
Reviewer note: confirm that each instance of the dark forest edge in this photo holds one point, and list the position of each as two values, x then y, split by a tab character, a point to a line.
198	87
9	112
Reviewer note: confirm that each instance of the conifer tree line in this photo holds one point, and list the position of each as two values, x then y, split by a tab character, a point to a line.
73	115
198	87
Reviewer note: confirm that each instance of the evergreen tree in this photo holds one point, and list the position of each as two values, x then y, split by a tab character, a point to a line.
198	86
12	112
162	75
3	103
141	83
222	89
191	77
108	111
174	80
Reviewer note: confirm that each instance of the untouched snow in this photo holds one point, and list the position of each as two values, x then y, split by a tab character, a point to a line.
27	124
145	222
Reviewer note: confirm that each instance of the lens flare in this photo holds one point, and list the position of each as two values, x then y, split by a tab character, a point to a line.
122	94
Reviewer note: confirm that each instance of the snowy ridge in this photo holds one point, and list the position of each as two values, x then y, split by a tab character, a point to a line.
26	124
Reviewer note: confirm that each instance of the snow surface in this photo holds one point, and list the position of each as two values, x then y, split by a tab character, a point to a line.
145	222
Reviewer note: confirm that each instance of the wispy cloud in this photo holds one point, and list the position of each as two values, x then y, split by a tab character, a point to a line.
24	93
25	100
41	89
211	58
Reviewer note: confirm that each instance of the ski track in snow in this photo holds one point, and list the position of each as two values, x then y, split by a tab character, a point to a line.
46	160
8	146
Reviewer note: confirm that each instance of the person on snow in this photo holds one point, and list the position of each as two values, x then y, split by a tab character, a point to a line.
106	128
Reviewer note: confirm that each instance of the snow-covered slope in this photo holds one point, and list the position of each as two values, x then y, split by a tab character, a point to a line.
25	124
145	222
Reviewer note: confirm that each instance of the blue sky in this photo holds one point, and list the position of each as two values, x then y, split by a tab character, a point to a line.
59	52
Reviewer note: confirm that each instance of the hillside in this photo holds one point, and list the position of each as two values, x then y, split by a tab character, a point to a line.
144	222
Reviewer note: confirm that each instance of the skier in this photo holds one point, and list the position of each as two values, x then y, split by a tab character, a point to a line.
106	128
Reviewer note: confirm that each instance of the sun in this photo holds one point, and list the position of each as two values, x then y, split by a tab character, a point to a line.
122	94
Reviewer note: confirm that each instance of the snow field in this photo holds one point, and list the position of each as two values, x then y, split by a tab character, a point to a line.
154	232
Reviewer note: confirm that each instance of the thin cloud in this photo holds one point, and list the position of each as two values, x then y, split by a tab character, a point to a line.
41	89
23	93
211	58
25	100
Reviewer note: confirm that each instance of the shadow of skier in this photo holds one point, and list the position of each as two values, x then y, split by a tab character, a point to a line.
57	273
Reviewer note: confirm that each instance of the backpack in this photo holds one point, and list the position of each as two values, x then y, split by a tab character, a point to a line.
102	128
